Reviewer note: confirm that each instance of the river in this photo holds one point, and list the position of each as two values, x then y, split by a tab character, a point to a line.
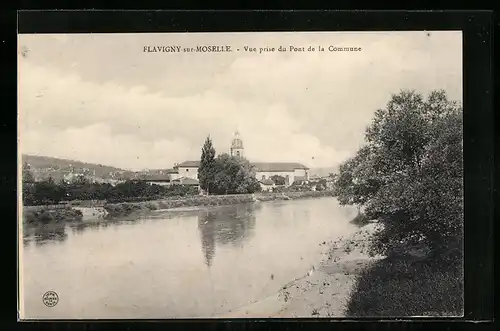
191	264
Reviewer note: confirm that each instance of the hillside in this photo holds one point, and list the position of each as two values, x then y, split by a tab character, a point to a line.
43	167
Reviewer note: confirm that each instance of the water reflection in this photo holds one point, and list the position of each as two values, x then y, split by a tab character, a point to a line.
151	267
206	226
232	225
82	227
41	235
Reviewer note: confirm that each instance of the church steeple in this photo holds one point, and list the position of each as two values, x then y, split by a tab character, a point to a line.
237	145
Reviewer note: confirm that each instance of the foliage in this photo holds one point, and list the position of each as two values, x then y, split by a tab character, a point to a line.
27	176
47	192
234	175
279	180
206	174
27	181
45	216
320	185
409	173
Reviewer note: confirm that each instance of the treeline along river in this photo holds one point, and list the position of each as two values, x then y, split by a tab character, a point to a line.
198	263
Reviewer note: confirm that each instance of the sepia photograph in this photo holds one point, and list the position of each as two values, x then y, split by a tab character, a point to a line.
240	175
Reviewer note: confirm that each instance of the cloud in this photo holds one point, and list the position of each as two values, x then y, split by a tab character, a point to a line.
63	116
137	111
96	143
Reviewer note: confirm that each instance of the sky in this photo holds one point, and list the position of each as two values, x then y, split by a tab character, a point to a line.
100	98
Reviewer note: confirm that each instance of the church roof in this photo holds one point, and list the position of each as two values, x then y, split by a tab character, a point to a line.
278	166
259	166
189	164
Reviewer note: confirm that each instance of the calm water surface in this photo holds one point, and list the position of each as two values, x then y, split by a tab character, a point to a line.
177	264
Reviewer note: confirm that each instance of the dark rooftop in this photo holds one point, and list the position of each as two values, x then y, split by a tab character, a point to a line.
259	166
278	166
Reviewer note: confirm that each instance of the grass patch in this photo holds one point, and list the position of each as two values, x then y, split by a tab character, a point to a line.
408	287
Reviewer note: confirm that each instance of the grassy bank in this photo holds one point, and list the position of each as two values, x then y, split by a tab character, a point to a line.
36	216
127	208
408	287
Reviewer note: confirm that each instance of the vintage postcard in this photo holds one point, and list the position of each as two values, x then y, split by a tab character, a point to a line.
236	175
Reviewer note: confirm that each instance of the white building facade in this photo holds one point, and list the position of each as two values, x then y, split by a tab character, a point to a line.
290	171
187	169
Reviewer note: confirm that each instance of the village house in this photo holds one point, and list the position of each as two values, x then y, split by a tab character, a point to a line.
187	169
158	177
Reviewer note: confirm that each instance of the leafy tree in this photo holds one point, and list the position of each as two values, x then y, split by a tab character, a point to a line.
27	181
206	171
47	192
278	180
234	175
409	173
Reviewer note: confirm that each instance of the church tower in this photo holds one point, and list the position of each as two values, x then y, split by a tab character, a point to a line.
237	145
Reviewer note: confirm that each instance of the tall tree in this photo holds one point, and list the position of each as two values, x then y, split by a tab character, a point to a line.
27	181
234	175
206	171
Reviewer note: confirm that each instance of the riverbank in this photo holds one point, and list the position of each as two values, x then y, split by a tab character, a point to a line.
348	282
40	215
326	289
128	208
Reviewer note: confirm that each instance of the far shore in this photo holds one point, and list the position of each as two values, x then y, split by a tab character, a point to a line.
105	211
127	208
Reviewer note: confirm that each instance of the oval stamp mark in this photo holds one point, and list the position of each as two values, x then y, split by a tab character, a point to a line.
50	298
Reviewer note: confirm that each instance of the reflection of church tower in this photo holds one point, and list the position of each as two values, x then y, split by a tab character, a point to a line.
237	145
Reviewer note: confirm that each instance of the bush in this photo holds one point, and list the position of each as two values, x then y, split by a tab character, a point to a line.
47	216
48	193
151	206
